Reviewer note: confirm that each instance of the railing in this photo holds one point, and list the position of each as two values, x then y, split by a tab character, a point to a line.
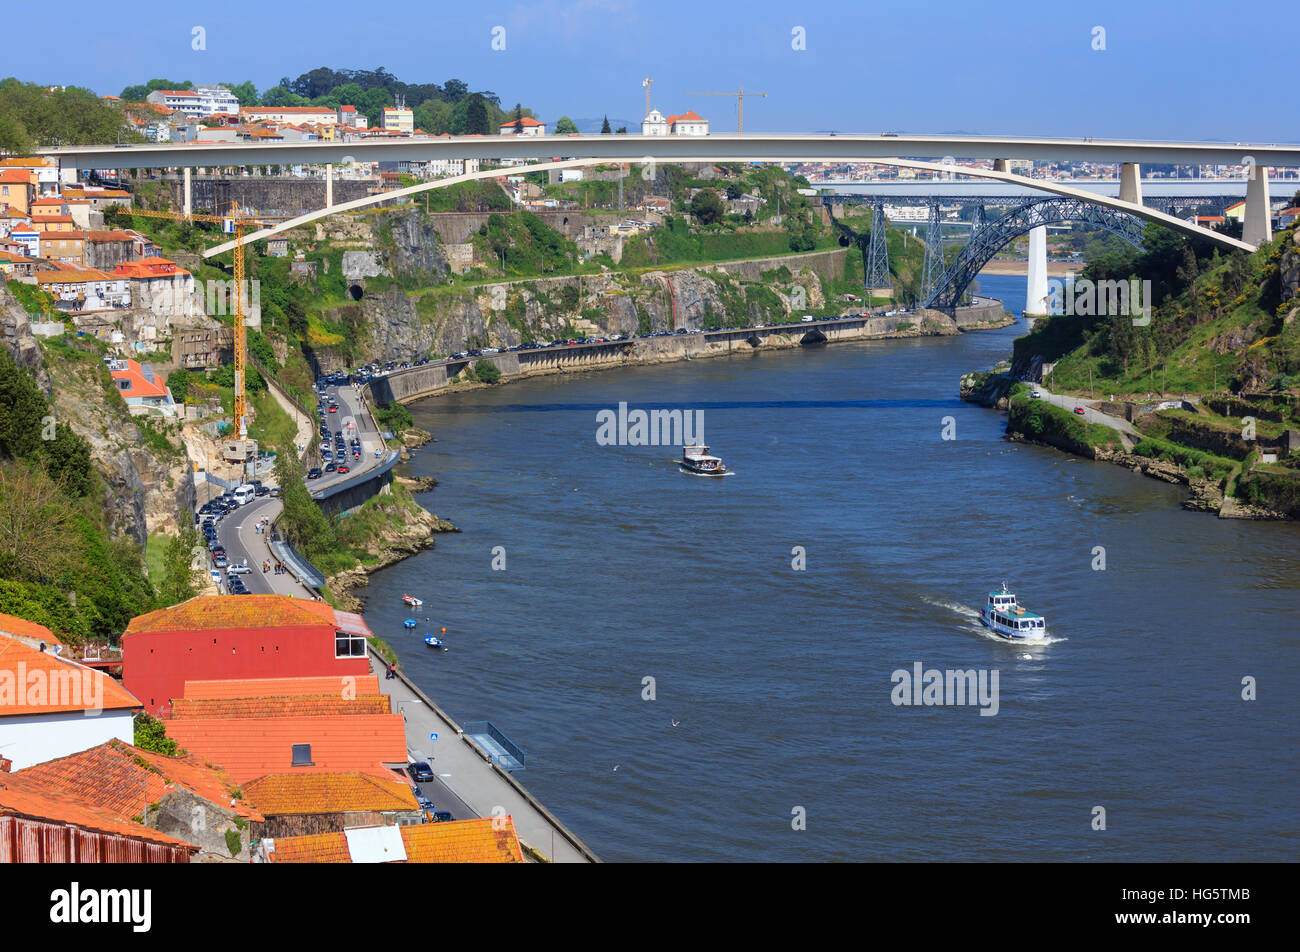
502	751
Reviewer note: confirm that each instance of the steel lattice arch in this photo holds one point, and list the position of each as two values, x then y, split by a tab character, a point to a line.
993	236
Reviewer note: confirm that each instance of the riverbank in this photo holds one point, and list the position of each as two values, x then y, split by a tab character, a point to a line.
432	380
1211	479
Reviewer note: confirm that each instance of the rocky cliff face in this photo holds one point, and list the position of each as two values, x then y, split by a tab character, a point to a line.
144	490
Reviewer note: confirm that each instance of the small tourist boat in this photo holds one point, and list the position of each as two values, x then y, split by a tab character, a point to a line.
410	601
433	641
1005	617
409	623
696	459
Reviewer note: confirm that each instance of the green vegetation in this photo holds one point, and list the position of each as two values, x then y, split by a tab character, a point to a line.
151	734
1057	426
302	522
526	246
449	107
183	564
487	372
233	842
394	417
32	115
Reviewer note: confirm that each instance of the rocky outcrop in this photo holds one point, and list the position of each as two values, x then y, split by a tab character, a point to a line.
16	328
416	534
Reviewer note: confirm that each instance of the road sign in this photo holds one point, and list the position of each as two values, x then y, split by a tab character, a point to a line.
433	736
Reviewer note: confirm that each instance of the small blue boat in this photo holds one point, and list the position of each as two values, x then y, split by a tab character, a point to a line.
434	642
409	623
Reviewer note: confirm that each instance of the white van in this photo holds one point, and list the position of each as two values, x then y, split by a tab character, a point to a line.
245	494
807	318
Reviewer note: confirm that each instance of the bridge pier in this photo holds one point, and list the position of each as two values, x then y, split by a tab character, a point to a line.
1130	183
1036	294
329	185
187	204
1256	226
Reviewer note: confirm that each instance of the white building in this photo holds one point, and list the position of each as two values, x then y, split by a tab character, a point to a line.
688	123
197	103
51	707
654	124
397	119
528	125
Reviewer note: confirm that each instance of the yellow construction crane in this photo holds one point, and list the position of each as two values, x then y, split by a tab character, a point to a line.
740	105
235	222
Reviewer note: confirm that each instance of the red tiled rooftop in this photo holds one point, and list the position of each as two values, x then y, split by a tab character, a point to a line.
125	780
211	612
281	687
293	794
300	706
62	685
13	625
458	841
253	747
21	799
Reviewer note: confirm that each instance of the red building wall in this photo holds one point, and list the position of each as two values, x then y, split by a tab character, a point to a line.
156	664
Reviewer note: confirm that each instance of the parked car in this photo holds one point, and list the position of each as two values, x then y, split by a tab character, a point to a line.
313	473
807	318
239	568
343	468
441	816
420	771
219	560
330	467
1036	393
334	409
1079	410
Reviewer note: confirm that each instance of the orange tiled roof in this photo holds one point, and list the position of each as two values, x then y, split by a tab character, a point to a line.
21	176
208	612
525	120
254	747
148	267
124	779
18	798
281	687
98	234
690	115
13	625
86	690
282	794
458	841
321	705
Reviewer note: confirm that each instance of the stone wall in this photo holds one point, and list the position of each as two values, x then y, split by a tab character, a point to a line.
266	195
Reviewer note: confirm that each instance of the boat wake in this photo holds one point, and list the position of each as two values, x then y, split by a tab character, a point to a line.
971	617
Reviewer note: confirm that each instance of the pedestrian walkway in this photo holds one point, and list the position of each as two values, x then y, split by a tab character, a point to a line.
466	772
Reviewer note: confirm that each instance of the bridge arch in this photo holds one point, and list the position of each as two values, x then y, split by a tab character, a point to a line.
997	234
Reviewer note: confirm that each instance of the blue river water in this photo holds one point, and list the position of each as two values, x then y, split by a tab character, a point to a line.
619	568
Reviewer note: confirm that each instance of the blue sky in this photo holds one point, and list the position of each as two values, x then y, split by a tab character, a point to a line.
1171	68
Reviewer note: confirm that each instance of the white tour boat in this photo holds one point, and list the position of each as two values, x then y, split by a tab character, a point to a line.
411	601
1006	618
696	459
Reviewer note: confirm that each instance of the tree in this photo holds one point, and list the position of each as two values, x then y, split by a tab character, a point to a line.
565	126
245	92
178	581
178	382
476	116
301	521
707	207
487	372
519	119
604	127
621	131
151	734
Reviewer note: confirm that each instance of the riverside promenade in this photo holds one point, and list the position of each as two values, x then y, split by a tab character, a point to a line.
464	769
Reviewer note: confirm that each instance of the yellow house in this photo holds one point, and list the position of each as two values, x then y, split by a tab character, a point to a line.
16	188
1236	212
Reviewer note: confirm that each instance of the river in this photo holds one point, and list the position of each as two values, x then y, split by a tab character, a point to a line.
620	568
